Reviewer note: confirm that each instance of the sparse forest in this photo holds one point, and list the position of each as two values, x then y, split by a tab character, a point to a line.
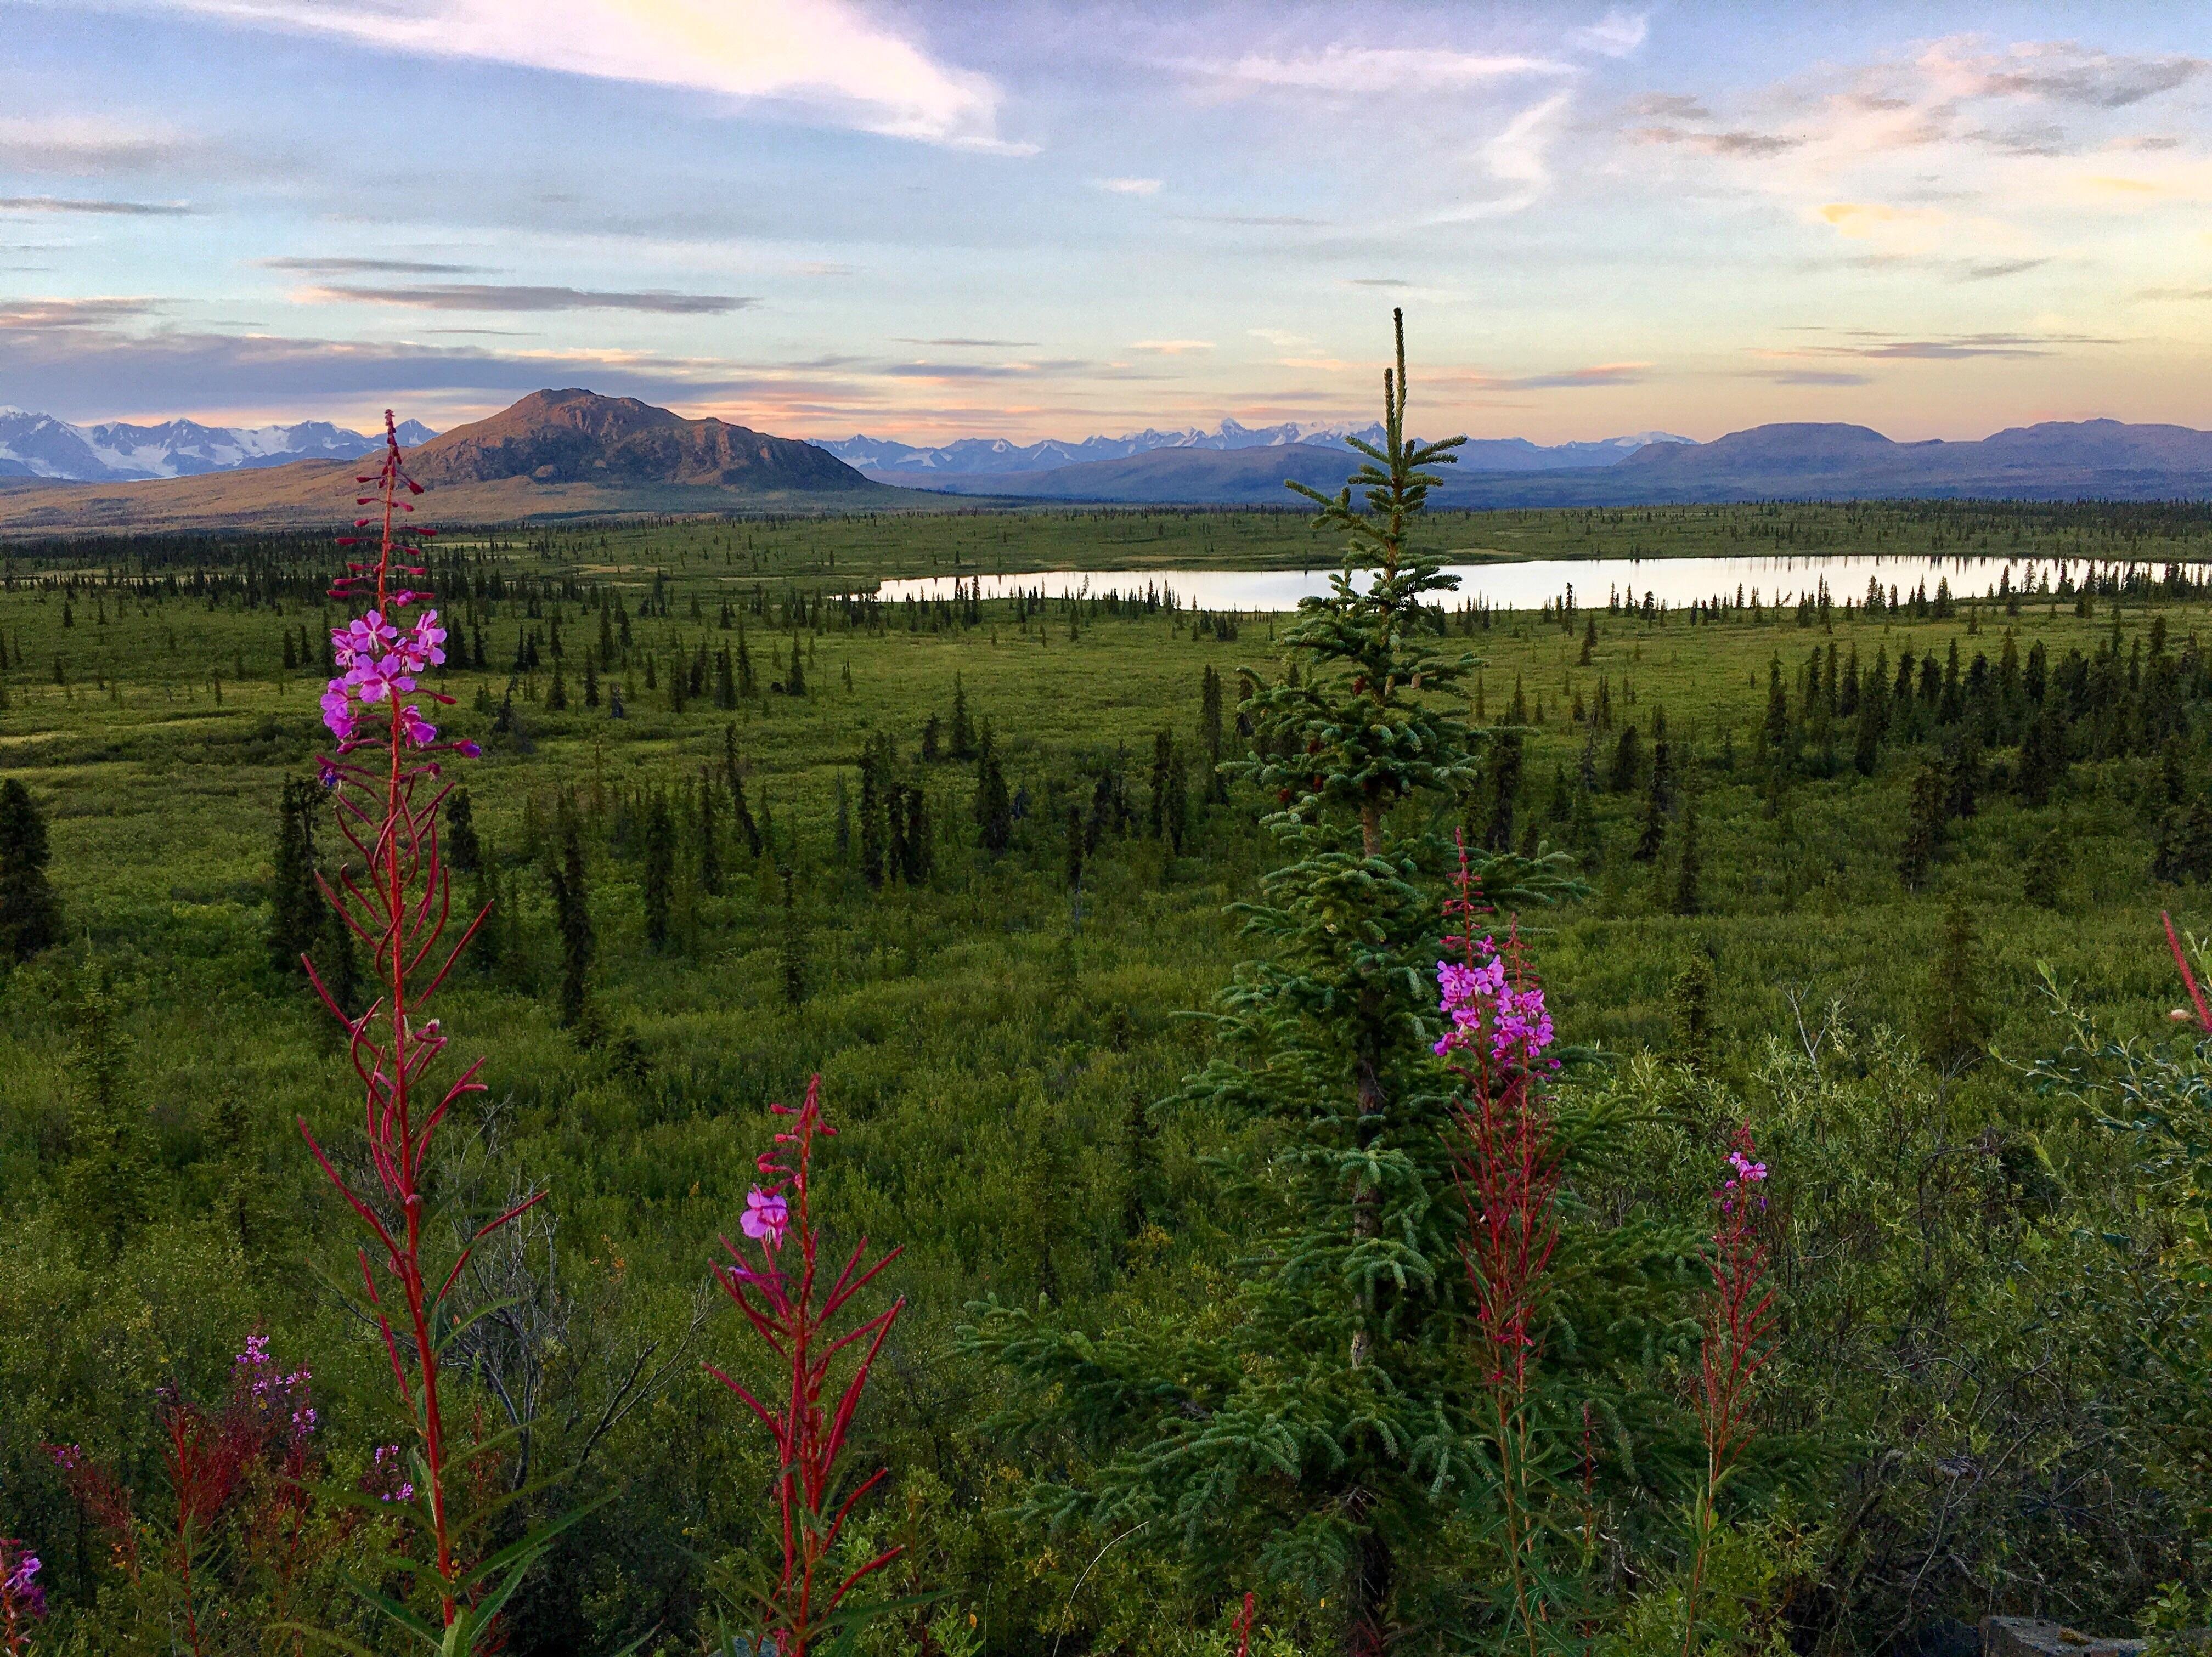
1635	1131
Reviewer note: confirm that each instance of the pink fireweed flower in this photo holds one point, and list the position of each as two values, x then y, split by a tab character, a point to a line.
386	1468
20	1593
422	646
363	638
765	1217
420	731
1742	1173
1473	996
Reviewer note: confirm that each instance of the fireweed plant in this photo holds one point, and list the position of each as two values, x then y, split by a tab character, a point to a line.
2157	1095
785	1301
1497	1041
22	1601
1327	1431
387	792
239	1528
1740	1316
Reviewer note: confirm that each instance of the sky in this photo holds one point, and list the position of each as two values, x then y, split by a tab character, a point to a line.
924	221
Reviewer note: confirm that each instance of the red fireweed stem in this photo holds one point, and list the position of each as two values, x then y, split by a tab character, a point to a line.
1244	1627
2189	978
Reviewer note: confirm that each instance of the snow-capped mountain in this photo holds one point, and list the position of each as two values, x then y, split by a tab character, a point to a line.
889	461
39	446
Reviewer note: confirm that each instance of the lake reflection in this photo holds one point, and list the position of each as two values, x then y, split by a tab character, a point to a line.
1674	582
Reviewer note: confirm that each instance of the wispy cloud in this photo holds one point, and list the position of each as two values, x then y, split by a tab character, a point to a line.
80	146
1357	71
1993	269
1616	34
366	267
1131	187
1172	347
957	339
488	296
825	55
1517	158
1597	374
73	204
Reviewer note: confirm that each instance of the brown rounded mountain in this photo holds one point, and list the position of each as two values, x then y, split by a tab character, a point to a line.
581	437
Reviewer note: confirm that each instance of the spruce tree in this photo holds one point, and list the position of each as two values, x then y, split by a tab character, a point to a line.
1508	761
30	913
1689	866
1923	828
2042	872
734	776
791	952
995	809
296	901
103	1193
1074	868
659	873
1690	1003
1210	734
871	819
963	732
918	855
1336	1403
710	837
1953	1019
463	850
572	919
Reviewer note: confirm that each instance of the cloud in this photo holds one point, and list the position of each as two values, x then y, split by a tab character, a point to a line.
1375	281
2057	71
1616	34
40	315
1718	143
979	370
1172	347
1948	347
92	370
1358	71
488	296
1256	221
1814	377
1666	105
1516	157
1131	187
825	55
2175	293
359	267
80	146
1002	344
1598	374
1991	269
63	205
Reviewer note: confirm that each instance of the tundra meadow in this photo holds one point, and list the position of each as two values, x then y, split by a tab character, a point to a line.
595	1089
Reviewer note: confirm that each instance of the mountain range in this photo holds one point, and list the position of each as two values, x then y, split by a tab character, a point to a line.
574	453
2052	460
39	446
952	465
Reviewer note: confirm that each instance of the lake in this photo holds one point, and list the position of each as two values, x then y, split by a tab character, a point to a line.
1674	582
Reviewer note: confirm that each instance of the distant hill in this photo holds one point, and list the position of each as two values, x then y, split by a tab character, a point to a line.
963	463
581	437
554	454
2054	461
39	446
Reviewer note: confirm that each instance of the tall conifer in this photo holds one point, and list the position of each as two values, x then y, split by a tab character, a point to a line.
30	913
1337	1402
